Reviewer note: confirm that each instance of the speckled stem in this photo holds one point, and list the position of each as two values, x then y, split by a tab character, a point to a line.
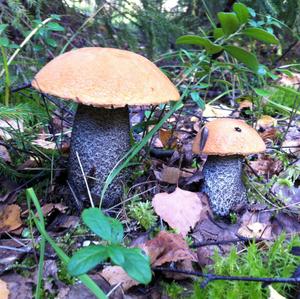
223	183
101	138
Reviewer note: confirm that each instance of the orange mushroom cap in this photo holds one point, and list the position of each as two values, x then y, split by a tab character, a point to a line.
228	137
105	77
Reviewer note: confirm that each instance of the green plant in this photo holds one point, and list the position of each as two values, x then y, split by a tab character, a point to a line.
143	213
173	290
132	260
276	261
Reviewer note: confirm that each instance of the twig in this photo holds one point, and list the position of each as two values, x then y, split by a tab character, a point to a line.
212	277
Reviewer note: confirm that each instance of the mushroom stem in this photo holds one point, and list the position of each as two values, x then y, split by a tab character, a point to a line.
223	183
101	138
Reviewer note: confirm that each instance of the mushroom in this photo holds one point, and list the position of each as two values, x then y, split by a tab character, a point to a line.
103	81
228	140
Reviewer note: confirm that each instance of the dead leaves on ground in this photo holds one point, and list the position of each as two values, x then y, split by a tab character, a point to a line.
9	218
180	209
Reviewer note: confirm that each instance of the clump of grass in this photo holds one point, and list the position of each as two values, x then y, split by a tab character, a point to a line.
276	261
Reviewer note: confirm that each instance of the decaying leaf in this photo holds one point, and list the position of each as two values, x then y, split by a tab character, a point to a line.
4	154
45	144
253	230
216	111
10	125
255	225
291	81
269	134
266	166
4	292
48	208
171	175
167	247
274	294
115	275
292	147
9	218
245	104
180	209
19	287
168	138
266	121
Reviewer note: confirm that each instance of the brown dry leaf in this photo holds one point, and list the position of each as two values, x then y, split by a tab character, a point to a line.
266	166
48	208
253	230
45	144
292	81
4	154
170	175
115	275
9	218
180	209
255	225
274	294
269	133
292	147
4	292
216	111
266	121
10	125
167	247
168	138
245	104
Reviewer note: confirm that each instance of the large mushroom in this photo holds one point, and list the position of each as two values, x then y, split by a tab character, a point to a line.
103	81
226	141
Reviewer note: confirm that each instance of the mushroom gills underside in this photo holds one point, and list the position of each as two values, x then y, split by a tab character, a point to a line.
223	183
101	138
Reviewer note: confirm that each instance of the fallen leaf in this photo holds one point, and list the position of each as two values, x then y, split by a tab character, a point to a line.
167	247
10	125
266	166
180	209
253	230
115	275
45	144
274	294
216	111
269	133
168	138
19	287
48	208
292	147
291	81
4	292
245	104
255	225
9	218
266	121
4	154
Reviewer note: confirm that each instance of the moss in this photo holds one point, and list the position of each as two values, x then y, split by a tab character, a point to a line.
223	183
101	138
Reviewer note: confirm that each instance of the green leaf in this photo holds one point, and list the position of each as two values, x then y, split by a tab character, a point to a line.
107	228
229	22
55	26
262	35
137	265
3	27
197	99
4	42
263	92
51	42
210	47
116	254
242	12
218	33
86	259
243	56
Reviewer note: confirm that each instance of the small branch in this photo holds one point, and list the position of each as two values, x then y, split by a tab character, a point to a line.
212	277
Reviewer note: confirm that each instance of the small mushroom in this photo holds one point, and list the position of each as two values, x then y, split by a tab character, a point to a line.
228	141
103	82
